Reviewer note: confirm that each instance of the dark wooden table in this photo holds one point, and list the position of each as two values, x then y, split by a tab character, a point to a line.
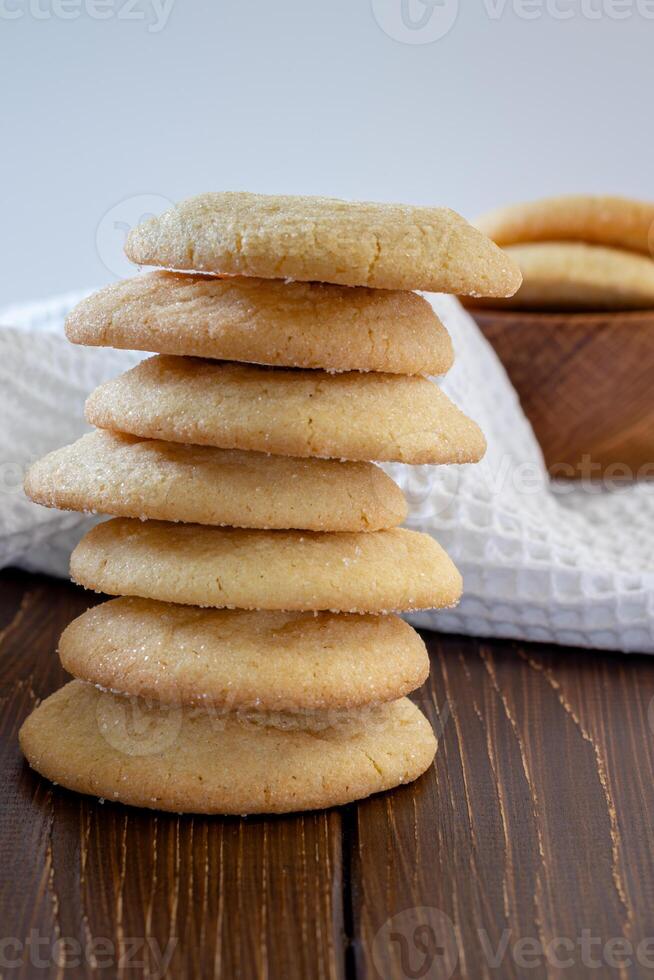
528	850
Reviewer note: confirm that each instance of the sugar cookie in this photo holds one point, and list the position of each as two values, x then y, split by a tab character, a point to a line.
598	219
111	473
352	416
274	661
266	321
383	571
385	246
184	760
571	275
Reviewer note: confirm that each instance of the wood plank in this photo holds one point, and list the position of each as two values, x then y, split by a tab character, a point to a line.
535	824
121	883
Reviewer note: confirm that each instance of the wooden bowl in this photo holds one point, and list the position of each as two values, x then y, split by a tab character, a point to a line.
586	383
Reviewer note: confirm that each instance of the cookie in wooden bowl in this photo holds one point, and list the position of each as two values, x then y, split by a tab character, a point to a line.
576	338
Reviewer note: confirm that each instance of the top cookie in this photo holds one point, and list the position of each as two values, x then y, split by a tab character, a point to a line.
386	246
266	321
599	220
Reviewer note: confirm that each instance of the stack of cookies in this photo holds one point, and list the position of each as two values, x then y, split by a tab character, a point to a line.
254	661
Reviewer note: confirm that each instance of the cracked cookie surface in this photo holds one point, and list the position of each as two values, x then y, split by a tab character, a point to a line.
266	321
351	243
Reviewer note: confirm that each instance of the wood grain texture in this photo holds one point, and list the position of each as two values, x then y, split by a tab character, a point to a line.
585	383
534	826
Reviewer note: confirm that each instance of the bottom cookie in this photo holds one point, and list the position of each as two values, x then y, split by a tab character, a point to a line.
196	761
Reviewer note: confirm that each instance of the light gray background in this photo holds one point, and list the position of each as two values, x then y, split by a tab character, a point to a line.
304	96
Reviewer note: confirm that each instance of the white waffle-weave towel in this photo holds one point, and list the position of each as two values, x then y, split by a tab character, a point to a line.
564	563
